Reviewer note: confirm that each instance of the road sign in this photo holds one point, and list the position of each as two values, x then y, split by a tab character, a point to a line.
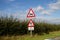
30	28
30	14
30	25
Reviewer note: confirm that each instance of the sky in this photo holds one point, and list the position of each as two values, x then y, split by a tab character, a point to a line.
46	10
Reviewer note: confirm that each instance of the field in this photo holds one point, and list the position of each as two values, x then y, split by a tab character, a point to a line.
35	37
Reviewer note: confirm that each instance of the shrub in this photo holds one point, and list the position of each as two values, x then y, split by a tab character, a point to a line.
11	26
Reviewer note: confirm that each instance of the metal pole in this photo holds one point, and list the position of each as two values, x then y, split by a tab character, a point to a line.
31	33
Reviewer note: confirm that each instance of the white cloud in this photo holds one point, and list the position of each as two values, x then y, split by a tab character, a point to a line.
48	20
19	14
41	10
54	6
54	20
38	8
44	12
10	0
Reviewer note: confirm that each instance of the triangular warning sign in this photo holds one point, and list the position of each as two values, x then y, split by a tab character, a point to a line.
30	24
30	14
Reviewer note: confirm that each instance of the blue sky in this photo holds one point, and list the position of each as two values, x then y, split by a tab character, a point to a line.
44	9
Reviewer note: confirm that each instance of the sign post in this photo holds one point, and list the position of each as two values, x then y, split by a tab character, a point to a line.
30	15
31	33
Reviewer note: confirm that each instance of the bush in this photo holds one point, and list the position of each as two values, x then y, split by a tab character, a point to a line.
11	26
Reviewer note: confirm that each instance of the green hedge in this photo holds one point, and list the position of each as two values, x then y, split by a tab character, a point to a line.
13	26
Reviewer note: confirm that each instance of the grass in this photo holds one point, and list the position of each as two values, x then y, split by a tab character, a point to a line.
35	37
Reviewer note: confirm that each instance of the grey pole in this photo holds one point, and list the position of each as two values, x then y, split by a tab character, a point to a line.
31	33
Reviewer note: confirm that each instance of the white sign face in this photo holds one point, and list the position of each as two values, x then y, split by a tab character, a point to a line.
30	28
31	13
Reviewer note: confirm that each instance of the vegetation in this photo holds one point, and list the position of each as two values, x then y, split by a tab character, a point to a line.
35	37
12	26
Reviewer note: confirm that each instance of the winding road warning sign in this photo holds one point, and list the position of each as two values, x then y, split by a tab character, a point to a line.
30	14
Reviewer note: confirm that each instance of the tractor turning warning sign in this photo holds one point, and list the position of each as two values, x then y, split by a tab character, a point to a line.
30	14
